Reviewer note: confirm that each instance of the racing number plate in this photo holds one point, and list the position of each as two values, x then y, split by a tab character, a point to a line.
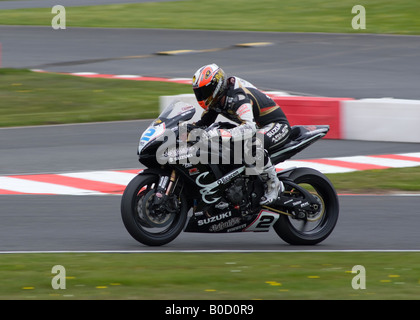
263	222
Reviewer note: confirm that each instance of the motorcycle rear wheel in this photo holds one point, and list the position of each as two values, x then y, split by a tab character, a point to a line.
317	227
147	226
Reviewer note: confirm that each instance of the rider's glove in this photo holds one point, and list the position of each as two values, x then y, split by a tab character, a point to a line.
208	135
202	135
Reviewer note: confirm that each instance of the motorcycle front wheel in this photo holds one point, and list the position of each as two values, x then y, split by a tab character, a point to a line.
317	226
144	222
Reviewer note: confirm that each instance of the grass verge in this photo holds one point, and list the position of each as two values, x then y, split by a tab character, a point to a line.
30	98
215	276
382	16
378	181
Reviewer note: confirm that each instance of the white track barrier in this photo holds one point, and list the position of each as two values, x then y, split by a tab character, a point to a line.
386	119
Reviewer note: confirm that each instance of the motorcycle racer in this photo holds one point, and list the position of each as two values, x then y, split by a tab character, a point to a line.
241	102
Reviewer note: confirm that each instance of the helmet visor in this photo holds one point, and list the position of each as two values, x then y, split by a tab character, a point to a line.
203	93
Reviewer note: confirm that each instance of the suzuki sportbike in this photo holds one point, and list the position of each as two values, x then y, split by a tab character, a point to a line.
178	195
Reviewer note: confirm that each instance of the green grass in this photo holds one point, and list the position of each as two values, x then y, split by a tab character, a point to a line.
215	276
30	98
382	16
378	181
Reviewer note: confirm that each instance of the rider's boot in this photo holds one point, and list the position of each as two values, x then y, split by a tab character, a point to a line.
273	185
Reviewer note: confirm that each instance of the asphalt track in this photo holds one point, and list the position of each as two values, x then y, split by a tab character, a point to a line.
317	64
39	223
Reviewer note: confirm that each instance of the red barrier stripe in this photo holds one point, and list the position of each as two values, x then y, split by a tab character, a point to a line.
314	111
346	164
76	183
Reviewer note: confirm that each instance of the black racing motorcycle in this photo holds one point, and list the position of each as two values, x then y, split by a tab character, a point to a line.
175	193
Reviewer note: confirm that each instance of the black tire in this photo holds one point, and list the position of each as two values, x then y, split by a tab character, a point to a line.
324	224
136	223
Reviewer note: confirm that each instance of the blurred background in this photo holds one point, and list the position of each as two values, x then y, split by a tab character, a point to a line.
79	84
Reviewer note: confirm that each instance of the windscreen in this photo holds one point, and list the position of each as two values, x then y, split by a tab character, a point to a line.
180	110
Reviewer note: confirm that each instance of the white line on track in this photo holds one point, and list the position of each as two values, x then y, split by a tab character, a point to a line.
211	251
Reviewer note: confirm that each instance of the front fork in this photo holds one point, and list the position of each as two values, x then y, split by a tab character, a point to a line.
165	186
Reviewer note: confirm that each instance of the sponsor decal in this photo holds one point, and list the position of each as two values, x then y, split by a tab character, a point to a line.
273	131
225	224
211	188
227	178
214	218
236	228
207	75
245	108
193	171
207	189
181	153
